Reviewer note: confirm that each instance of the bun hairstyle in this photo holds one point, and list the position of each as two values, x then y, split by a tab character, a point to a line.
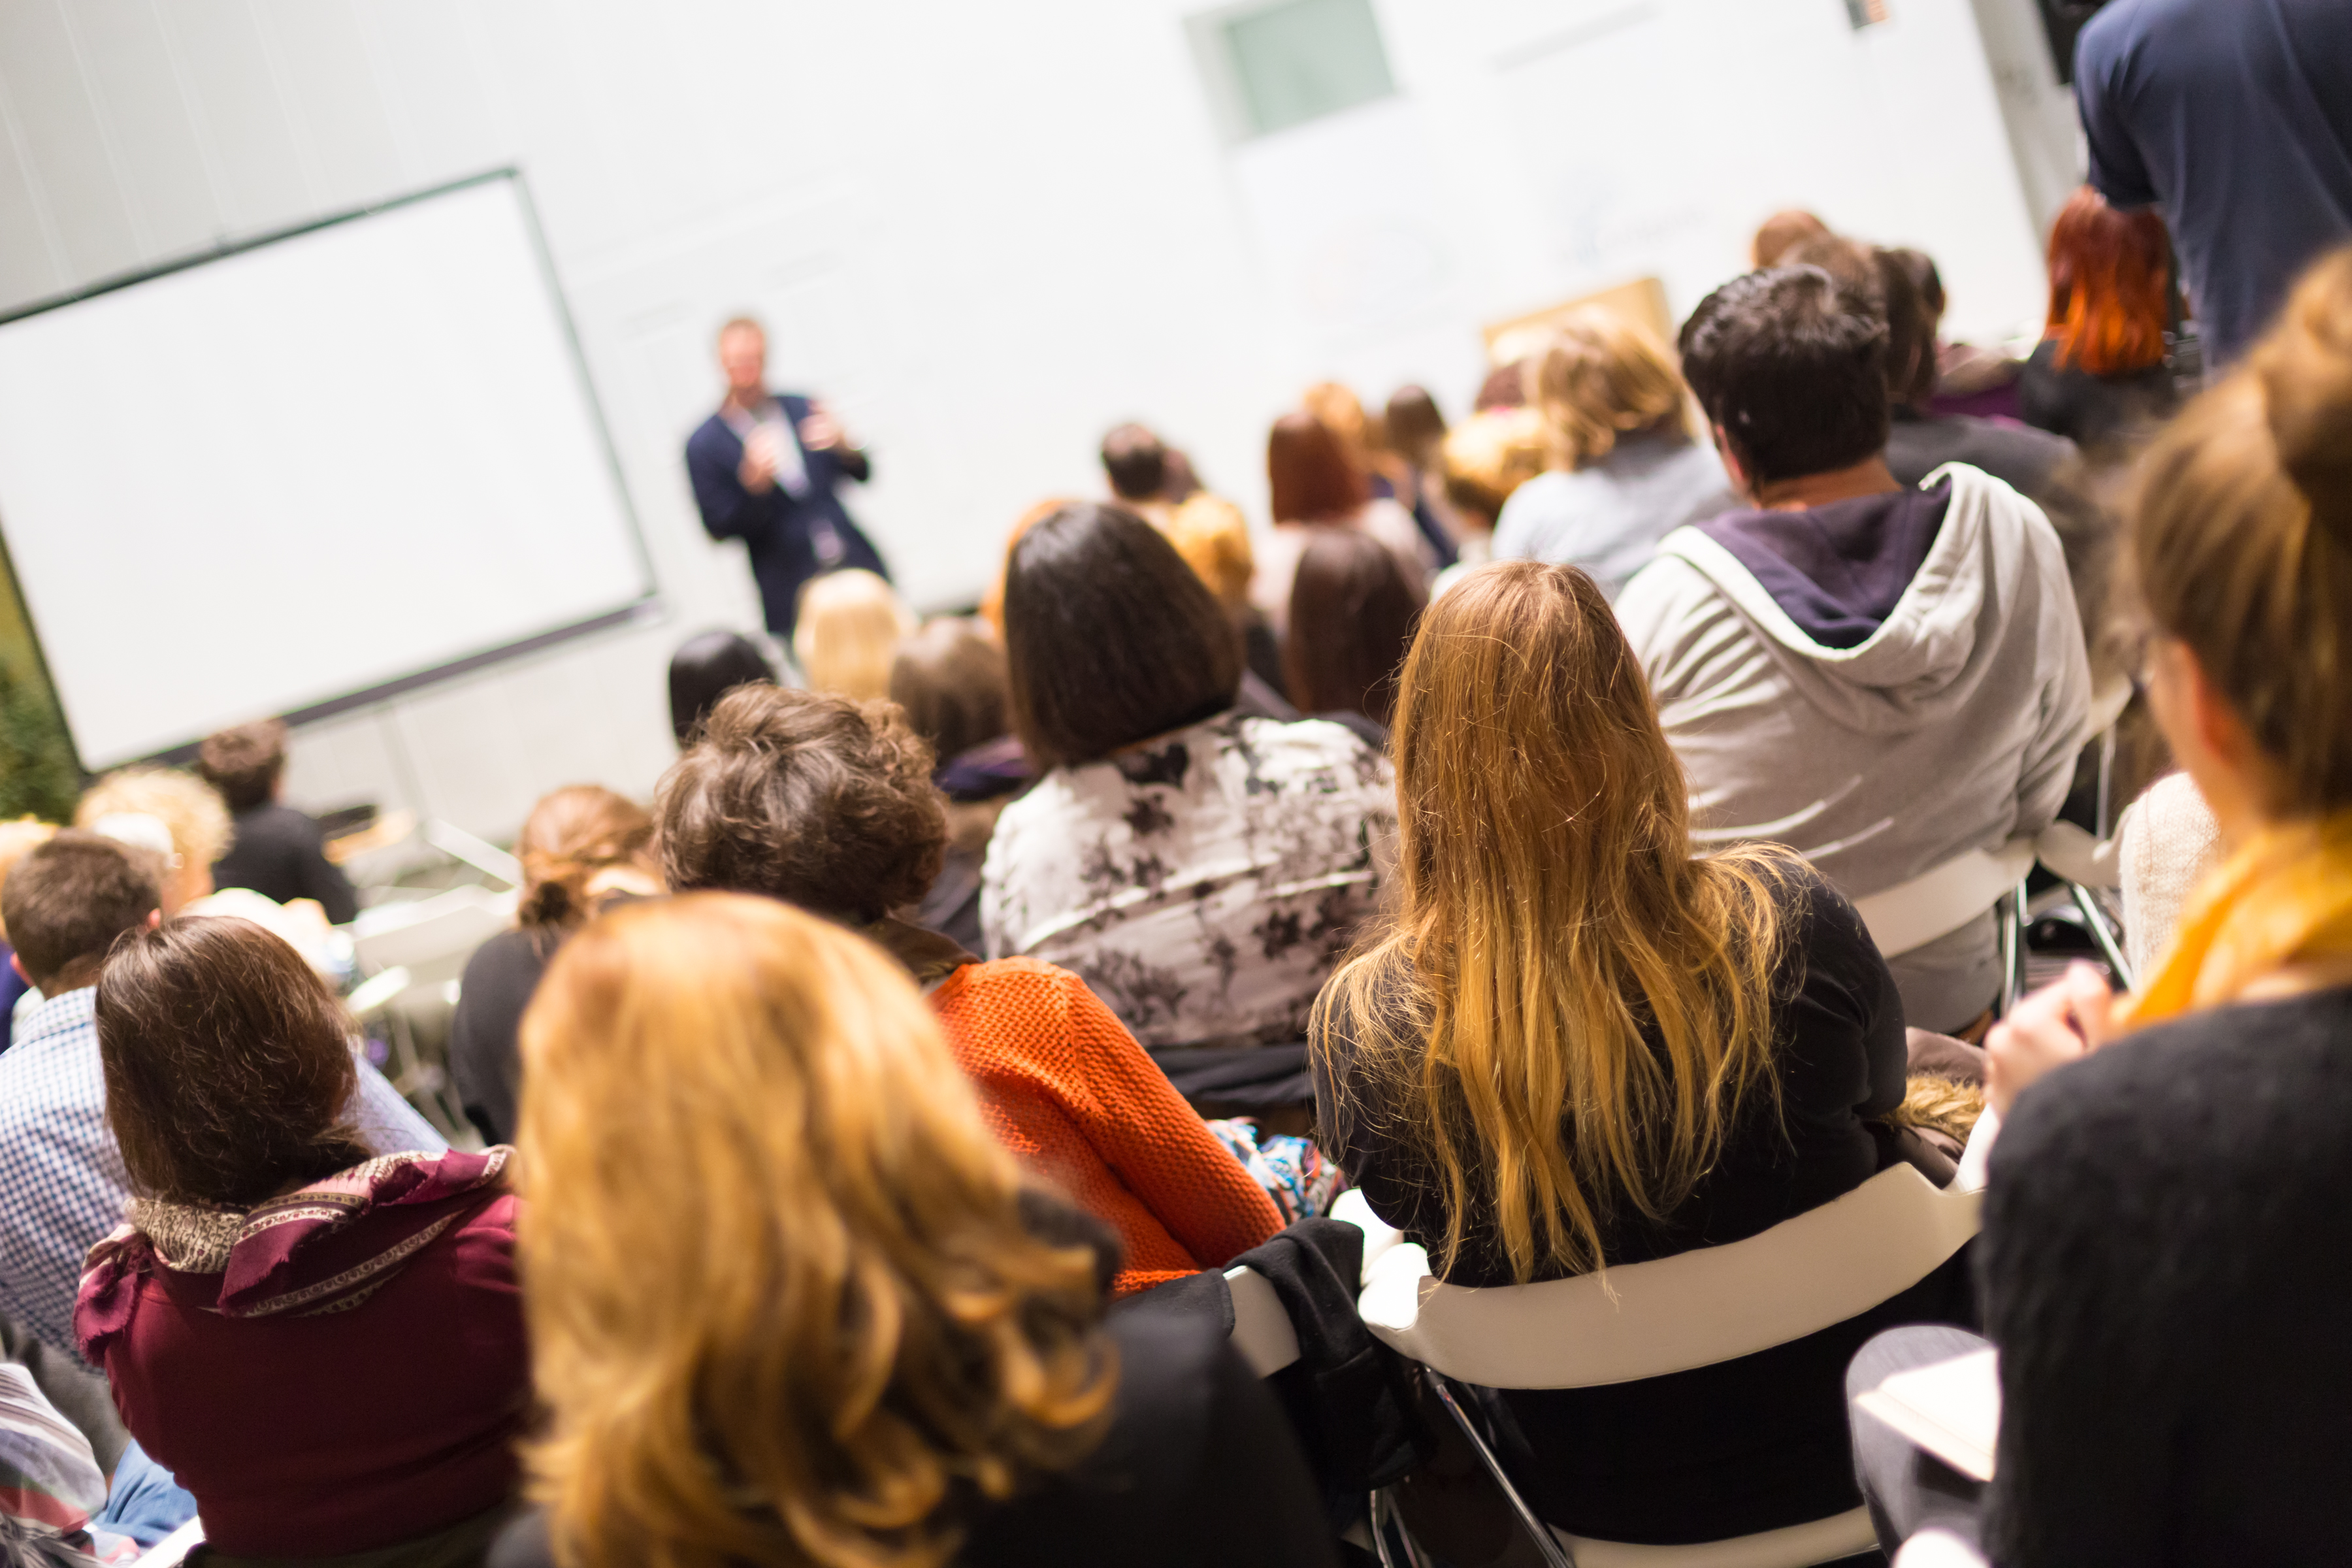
570	836
2241	540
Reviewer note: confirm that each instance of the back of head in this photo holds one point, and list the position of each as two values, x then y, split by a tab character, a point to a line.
1491	455
2110	286
1792	368
815	800
1602	375
1110	637
244	763
1136	462
849	626
1782	231
949	679
706	667
1312	476
569	837
19	839
1213	537
1352	612
69	899
1545	852
190	810
1339	411
228	1064
2239	532
1891	285
1415	425
782	1305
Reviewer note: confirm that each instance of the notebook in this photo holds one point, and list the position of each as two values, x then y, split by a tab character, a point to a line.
1951	1408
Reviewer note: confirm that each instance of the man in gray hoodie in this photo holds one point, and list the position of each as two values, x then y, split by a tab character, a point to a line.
1887	680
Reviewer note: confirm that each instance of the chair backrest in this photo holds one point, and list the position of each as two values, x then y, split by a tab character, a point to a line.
1942	899
431	937
1263	1331
1696	1309
173	1549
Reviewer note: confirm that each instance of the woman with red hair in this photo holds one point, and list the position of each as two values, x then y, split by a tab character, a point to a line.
1314	483
2099	374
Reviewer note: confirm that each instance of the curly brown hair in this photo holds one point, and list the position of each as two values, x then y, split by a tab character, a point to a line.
815	800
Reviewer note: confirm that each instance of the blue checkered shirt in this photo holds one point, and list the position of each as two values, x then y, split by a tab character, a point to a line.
62	1185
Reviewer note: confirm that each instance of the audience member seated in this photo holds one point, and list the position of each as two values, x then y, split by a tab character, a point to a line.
1488	457
582	848
1135	461
950	681
1415	428
2098	377
1625	470
1316	485
274	849
829	805
1920	441
1581	1044
706	667
17	839
791	1302
62	1181
1366	441
849	626
324	1347
1200	869
195	825
1213	538
2167	1251
1352	611
1885	677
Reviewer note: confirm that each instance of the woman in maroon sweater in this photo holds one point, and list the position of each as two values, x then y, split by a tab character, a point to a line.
325	1348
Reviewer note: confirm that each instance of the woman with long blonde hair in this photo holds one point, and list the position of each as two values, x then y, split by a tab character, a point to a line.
1626	466
790	1303
1579	1045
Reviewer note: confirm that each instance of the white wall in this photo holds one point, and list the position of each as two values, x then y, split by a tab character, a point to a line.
985	232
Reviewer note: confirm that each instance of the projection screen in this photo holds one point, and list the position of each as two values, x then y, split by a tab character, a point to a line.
307	472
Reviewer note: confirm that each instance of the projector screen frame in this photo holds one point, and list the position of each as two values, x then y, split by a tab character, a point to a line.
646	607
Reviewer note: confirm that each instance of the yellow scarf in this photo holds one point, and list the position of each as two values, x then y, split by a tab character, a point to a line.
2286	897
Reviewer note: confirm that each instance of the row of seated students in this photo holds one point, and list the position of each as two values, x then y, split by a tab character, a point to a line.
809	1249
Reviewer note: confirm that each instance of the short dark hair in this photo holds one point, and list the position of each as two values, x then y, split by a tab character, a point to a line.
66	902
1353	609
706	667
1136	462
244	763
816	800
1892	285
950	679
1792	368
229	1071
1110	637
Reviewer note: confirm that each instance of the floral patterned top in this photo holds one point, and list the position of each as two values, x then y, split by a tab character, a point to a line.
1205	885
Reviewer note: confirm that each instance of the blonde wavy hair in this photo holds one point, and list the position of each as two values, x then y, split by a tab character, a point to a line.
1599	377
1213	537
850	626
1551	912
191	811
783	1306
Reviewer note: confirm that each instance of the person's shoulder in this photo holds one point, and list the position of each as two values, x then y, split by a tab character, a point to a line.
1535	504
1658	598
711	439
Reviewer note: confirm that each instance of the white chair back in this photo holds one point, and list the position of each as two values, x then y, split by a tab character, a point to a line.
1942	899
432	937
1263	1331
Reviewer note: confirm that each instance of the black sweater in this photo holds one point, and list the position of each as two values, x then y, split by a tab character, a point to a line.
1752	1444
280	854
2166	1268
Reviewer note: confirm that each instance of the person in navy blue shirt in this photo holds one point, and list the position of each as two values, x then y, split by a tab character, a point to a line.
2234	117
764	469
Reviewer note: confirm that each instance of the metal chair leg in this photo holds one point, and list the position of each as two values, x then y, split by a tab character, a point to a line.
2104	934
2012	949
1547	1544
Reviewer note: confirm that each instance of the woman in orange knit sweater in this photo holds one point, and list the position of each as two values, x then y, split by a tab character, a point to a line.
828	805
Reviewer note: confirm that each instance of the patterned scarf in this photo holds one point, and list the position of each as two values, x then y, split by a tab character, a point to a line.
325	1247
2284	897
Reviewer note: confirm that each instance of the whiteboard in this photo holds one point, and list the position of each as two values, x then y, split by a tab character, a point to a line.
307	473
